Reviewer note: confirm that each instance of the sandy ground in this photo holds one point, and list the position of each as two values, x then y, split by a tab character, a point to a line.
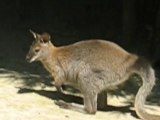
21	102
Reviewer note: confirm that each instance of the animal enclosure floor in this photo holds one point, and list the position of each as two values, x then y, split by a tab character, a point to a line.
21	102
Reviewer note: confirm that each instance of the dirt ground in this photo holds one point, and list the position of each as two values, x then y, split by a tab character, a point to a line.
30	96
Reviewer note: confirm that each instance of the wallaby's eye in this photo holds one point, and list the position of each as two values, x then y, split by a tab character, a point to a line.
37	50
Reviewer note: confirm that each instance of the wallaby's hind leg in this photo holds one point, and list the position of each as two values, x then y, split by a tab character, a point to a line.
90	104
102	100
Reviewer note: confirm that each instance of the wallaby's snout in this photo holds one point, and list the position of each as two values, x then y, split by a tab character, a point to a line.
34	54
28	58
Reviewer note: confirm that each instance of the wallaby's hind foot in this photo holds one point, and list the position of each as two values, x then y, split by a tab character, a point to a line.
70	106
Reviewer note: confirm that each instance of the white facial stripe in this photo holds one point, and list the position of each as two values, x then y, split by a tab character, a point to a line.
34	58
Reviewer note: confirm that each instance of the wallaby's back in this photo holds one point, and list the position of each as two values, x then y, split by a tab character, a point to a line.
97	57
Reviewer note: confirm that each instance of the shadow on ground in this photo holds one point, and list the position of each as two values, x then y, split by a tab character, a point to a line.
29	74
56	96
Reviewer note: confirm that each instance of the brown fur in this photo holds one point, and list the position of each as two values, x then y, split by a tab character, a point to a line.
93	66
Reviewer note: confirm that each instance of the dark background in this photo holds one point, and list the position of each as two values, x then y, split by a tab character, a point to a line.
133	24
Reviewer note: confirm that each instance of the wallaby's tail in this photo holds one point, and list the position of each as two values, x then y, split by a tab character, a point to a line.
144	69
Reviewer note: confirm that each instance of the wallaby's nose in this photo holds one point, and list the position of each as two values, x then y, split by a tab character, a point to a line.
28	58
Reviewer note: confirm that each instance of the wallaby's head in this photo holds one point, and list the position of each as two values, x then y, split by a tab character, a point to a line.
40	47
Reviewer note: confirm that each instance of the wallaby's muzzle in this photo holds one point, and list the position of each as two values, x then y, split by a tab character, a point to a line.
28	58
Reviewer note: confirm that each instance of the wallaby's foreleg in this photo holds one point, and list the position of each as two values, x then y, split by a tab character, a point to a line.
59	89
58	84
90	104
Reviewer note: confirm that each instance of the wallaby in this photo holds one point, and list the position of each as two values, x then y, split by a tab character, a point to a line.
92	66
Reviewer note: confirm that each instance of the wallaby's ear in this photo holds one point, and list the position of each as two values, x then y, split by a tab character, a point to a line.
33	33
46	37
43	38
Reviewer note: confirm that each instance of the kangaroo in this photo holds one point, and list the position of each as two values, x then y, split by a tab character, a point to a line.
92	66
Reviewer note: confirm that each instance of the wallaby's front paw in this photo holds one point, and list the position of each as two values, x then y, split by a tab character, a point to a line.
60	90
